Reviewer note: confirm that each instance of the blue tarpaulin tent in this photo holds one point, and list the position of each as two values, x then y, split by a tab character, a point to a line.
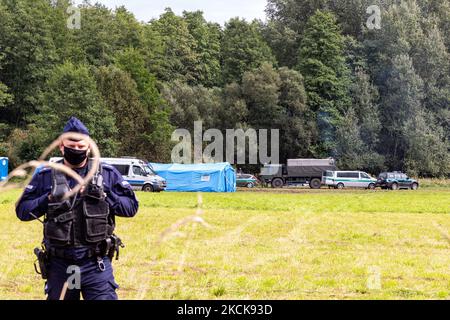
3	168
205	177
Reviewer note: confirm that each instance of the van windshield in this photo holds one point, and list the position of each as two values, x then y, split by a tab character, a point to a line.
149	171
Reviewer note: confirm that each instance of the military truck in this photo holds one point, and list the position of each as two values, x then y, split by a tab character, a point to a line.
297	172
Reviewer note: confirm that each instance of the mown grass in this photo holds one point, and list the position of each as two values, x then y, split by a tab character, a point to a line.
309	245
434	183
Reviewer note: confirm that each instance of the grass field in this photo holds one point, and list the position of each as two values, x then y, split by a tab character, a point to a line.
264	245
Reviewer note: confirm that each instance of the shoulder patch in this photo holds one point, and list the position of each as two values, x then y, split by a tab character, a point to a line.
30	187
125	183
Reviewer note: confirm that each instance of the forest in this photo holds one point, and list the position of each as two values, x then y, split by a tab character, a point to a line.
373	98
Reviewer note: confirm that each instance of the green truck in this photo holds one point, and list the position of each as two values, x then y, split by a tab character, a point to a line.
297	172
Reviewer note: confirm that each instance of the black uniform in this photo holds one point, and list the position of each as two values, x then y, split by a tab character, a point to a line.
76	231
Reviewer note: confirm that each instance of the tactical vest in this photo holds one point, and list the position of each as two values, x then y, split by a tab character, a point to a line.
83	220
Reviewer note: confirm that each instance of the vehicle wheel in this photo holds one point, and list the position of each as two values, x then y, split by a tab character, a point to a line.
250	185
414	186
371	186
277	183
394	186
315	183
340	185
147	188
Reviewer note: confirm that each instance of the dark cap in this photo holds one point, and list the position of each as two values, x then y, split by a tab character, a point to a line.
75	125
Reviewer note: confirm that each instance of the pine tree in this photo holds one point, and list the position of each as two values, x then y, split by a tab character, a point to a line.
298	126
128	31
5	97
432	62
158	129
403	102
364	97
178	59
243	49
350	148
427	151
207	39
119	91
97	36
327	80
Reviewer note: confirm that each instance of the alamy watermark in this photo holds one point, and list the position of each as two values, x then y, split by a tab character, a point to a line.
374	279
374	21
231	148
74	280
74	20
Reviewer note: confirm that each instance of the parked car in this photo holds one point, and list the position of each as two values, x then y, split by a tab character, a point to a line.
246	180
396	180
344	179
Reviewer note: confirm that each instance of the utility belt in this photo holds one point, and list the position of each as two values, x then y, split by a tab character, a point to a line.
109	247
66	254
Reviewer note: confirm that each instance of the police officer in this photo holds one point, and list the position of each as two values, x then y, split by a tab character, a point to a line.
78	232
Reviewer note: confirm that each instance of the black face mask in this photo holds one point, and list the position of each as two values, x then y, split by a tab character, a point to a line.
74	157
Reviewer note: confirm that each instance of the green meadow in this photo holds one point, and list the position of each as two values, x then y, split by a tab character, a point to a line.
265	244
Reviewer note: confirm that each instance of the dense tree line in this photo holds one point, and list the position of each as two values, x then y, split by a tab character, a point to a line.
374	99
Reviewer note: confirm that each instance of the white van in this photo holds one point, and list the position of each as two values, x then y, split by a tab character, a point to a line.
135	172
348	179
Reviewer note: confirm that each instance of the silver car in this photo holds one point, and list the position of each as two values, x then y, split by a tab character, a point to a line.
348	179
